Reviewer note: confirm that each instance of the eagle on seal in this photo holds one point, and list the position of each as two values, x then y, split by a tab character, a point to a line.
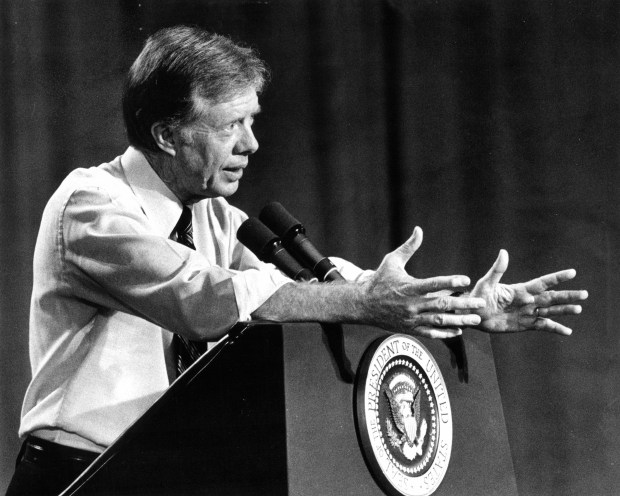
404	399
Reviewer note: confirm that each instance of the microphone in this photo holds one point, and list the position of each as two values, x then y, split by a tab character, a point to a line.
268	248
294	239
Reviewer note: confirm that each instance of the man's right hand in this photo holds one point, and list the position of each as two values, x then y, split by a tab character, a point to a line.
396	301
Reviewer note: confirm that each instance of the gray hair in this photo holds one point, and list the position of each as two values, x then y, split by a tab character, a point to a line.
178	64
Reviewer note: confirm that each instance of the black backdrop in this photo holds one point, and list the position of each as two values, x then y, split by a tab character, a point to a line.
489	123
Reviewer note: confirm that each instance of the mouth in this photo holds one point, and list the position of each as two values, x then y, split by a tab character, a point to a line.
234	173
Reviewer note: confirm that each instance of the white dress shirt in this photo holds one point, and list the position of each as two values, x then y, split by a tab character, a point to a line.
108	287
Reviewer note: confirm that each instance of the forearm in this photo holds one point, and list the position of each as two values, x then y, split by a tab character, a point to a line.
328	302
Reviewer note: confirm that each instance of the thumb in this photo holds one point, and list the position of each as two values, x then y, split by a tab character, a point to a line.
401	255
499	267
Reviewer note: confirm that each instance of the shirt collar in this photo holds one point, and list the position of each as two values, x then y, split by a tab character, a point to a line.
159	203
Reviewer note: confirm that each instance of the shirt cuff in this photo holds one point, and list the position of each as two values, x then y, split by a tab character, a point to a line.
253	287
349	271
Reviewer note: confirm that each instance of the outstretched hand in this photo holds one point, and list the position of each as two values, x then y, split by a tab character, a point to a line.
396	301
525	306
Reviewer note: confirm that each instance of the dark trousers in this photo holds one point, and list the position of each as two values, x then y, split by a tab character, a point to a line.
44	468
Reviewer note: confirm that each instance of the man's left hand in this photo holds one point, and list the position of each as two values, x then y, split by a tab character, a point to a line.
525	306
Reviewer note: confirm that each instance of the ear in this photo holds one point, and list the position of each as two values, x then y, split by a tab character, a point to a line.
164	136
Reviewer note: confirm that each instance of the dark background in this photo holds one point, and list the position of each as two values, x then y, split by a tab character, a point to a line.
491	124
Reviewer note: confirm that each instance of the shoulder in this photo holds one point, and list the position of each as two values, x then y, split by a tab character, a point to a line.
93	185
90	199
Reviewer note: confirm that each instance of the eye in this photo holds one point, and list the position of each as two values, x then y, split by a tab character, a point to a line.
243	121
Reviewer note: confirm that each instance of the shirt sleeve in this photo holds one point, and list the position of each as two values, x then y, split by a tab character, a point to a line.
111	258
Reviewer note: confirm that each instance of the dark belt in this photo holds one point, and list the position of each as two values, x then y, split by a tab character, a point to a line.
36	450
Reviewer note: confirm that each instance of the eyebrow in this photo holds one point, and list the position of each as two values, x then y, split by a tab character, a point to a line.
254	112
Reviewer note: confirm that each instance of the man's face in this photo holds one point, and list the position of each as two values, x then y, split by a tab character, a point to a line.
212	152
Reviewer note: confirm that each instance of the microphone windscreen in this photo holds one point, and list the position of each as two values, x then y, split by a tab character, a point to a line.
256	236
277	218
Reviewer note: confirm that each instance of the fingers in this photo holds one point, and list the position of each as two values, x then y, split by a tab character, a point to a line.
557	310
435	333
549	298
446	303
500	266
433	321
433	284
547	281
548	325
447	319
401	255
557	303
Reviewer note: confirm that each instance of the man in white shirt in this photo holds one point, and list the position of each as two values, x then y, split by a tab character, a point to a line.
112	288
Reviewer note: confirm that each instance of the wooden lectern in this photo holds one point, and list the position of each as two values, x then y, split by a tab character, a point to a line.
268	412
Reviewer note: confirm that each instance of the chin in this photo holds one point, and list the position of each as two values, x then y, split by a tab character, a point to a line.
225	190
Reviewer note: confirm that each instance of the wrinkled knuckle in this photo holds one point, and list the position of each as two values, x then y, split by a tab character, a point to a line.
443	303
438	319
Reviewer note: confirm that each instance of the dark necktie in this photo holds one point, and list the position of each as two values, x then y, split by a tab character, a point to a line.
186	351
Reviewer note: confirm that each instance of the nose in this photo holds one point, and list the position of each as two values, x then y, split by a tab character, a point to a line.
247	143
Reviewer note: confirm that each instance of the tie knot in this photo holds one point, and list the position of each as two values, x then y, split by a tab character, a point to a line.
182	232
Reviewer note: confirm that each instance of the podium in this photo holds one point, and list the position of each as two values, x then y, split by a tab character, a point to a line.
270	411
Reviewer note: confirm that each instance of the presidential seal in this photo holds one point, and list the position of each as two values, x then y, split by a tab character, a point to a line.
403	416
